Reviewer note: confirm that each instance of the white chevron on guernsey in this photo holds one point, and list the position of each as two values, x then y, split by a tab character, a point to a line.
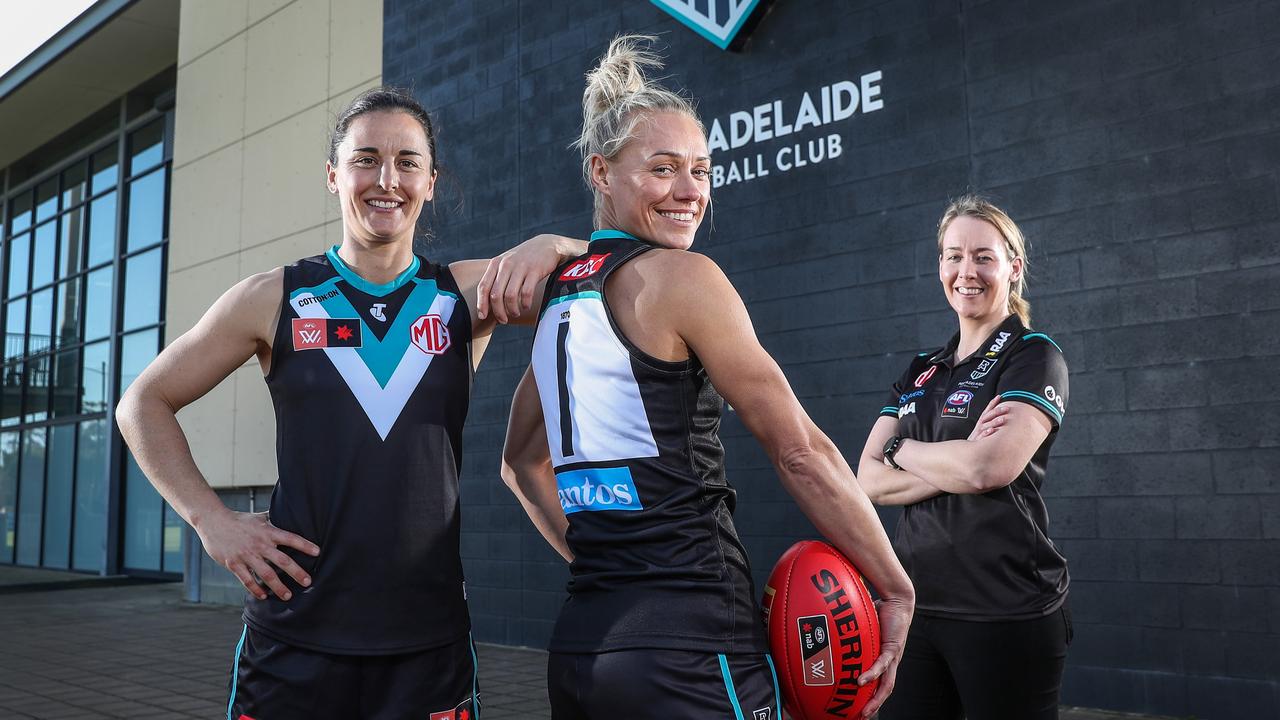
734	12
382	405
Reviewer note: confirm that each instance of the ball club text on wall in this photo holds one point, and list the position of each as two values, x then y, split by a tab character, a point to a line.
777	119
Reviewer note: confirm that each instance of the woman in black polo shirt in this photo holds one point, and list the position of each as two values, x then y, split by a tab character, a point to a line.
963	444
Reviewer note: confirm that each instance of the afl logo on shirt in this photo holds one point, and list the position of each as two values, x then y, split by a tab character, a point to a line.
430	334
923	377
584	268
957	404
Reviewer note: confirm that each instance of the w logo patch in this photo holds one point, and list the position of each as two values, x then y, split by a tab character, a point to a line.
720	21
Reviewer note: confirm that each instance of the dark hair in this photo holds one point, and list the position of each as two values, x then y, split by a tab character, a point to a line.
382	99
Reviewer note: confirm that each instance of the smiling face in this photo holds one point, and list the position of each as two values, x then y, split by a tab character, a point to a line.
384	174
975	268
658	186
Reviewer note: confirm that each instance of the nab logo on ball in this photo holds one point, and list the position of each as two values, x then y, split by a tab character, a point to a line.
430	334
584	268
815	645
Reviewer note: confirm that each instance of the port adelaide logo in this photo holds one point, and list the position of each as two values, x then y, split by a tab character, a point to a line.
725	23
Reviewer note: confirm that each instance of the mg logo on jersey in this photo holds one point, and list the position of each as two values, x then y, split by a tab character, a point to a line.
923	377
719	21
430	334
584	268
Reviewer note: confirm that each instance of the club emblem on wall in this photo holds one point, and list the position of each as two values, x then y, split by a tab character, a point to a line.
724	22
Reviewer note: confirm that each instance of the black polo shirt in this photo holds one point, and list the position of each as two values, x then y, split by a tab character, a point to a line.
982	556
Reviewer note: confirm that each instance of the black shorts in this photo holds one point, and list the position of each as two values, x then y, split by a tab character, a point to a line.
953	669
662	684
273	680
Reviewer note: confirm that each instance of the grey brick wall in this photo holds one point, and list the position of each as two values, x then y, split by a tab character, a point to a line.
1136	141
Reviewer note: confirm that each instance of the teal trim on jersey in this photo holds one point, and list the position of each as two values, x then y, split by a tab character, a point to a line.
926	352
235	670
613	235
777	693
889	409
1053	410
475	674
728	686
595	489
382	357
589	294
1028	336
365	286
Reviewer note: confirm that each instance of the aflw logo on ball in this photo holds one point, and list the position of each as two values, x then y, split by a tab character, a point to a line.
430	334
584	268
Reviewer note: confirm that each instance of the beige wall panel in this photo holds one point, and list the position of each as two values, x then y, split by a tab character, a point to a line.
207	424
288	63
193	290
356	26
204	24
282	251
204	208
210	105
255	432
259	9
283	184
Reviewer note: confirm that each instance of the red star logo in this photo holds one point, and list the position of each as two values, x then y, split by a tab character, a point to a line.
343	332
807	627
463	714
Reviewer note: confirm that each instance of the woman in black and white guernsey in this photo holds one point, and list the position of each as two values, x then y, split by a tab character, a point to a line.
614	449
963	443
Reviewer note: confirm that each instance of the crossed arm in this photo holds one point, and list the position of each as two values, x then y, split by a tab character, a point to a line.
1003	441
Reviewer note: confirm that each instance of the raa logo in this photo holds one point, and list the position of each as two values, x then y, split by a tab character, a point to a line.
726	23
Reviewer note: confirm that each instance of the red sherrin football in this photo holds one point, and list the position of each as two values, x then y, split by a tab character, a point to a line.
823	632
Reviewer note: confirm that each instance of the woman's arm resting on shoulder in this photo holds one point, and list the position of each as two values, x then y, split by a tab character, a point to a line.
883	484
709	316
997	450
231	332
526	466
511	283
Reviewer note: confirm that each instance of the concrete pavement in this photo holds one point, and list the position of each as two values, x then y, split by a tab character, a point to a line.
74	647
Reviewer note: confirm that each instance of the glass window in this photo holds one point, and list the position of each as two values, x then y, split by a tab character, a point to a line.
73	185
136	352
142	290
69	247
20	213
102	230
143	519
66	383
11	393
57	497
19	254
8	494
66	323
94	385
146	211
31	497
89	537
41	324
47	199
36	406
174	529
15	329
98	304
147	147
42	254
105	171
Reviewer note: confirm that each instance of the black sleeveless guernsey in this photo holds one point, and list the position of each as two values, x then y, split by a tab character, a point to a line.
370	385
640	469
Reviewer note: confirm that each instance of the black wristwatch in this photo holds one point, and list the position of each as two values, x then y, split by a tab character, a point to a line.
890	448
